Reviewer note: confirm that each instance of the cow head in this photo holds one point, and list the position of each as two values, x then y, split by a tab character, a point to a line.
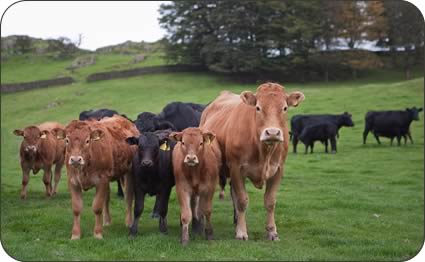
32	138
79	138
345	120
149	144
270	104
414	112
193	142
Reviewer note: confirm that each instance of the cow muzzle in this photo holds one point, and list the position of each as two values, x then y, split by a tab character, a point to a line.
76	161
271	135
31	149
147	163
191	160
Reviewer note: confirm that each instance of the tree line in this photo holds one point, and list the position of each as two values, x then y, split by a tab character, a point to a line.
298	39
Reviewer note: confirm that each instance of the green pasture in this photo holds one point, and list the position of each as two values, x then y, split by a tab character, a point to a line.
364	203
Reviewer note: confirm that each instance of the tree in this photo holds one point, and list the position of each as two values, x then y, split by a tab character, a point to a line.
405	34
23	44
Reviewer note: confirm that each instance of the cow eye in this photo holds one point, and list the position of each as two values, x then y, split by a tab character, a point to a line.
201	143
66	141
87	141
182	143
258	108
285	108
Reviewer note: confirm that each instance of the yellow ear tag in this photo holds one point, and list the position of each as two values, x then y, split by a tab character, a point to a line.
43	136
96	138
208	141
164	146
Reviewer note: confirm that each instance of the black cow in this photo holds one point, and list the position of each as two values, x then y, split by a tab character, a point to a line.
98	115
390	124
149	122
319	132
152	174
299	122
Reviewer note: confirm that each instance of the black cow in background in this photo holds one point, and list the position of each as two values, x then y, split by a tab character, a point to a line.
390	124
322	132
149	122
152	174
299	122
98	115
181	115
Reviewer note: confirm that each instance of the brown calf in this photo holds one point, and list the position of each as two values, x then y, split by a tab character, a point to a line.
96	153
196	164
252	132
41	150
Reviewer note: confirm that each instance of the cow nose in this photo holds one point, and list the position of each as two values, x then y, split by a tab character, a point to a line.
271	134
191	160
76	160
32	148
147	163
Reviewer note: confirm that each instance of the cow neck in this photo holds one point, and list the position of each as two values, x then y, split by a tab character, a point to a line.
268	153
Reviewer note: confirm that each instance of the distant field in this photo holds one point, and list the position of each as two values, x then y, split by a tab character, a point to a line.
32	68
364	203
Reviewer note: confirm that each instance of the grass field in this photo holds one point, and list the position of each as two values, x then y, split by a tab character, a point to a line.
364	203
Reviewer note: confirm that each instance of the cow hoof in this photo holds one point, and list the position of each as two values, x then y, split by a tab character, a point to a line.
221	195
333	152
106	223
243	237
23	196
75	237
98	235
273	236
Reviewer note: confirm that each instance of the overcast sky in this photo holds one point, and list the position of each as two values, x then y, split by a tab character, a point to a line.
101	24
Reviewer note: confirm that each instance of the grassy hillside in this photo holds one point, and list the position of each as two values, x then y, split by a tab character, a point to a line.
364	203
33	66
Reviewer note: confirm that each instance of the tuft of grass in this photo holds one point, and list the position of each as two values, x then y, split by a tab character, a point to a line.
364	203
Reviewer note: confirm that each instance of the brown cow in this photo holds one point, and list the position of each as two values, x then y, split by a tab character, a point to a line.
252	132
196	165
41	150
97	153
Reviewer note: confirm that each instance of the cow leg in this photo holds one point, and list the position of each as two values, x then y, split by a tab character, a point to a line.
222	182
306	149
233	196
102	190
139	204
333	145
47	180
311	147
58	168
155	211
391	141
272	187
206	206
410	136
185	214
366	131
295	142
241	203
106	215
77	207
120	192
197	220
25	180
163	209
326	146
129	195
377	138
398	139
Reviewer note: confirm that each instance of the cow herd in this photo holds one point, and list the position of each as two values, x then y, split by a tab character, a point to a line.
192	147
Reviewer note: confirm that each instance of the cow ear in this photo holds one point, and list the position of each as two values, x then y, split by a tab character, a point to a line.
97	134
18	132
44	134
208	137
59	133
420	109
176	136
295	98
132	140
248	98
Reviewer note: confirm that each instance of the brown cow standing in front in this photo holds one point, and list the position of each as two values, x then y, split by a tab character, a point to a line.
196	165
41	150
252	132
97	153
